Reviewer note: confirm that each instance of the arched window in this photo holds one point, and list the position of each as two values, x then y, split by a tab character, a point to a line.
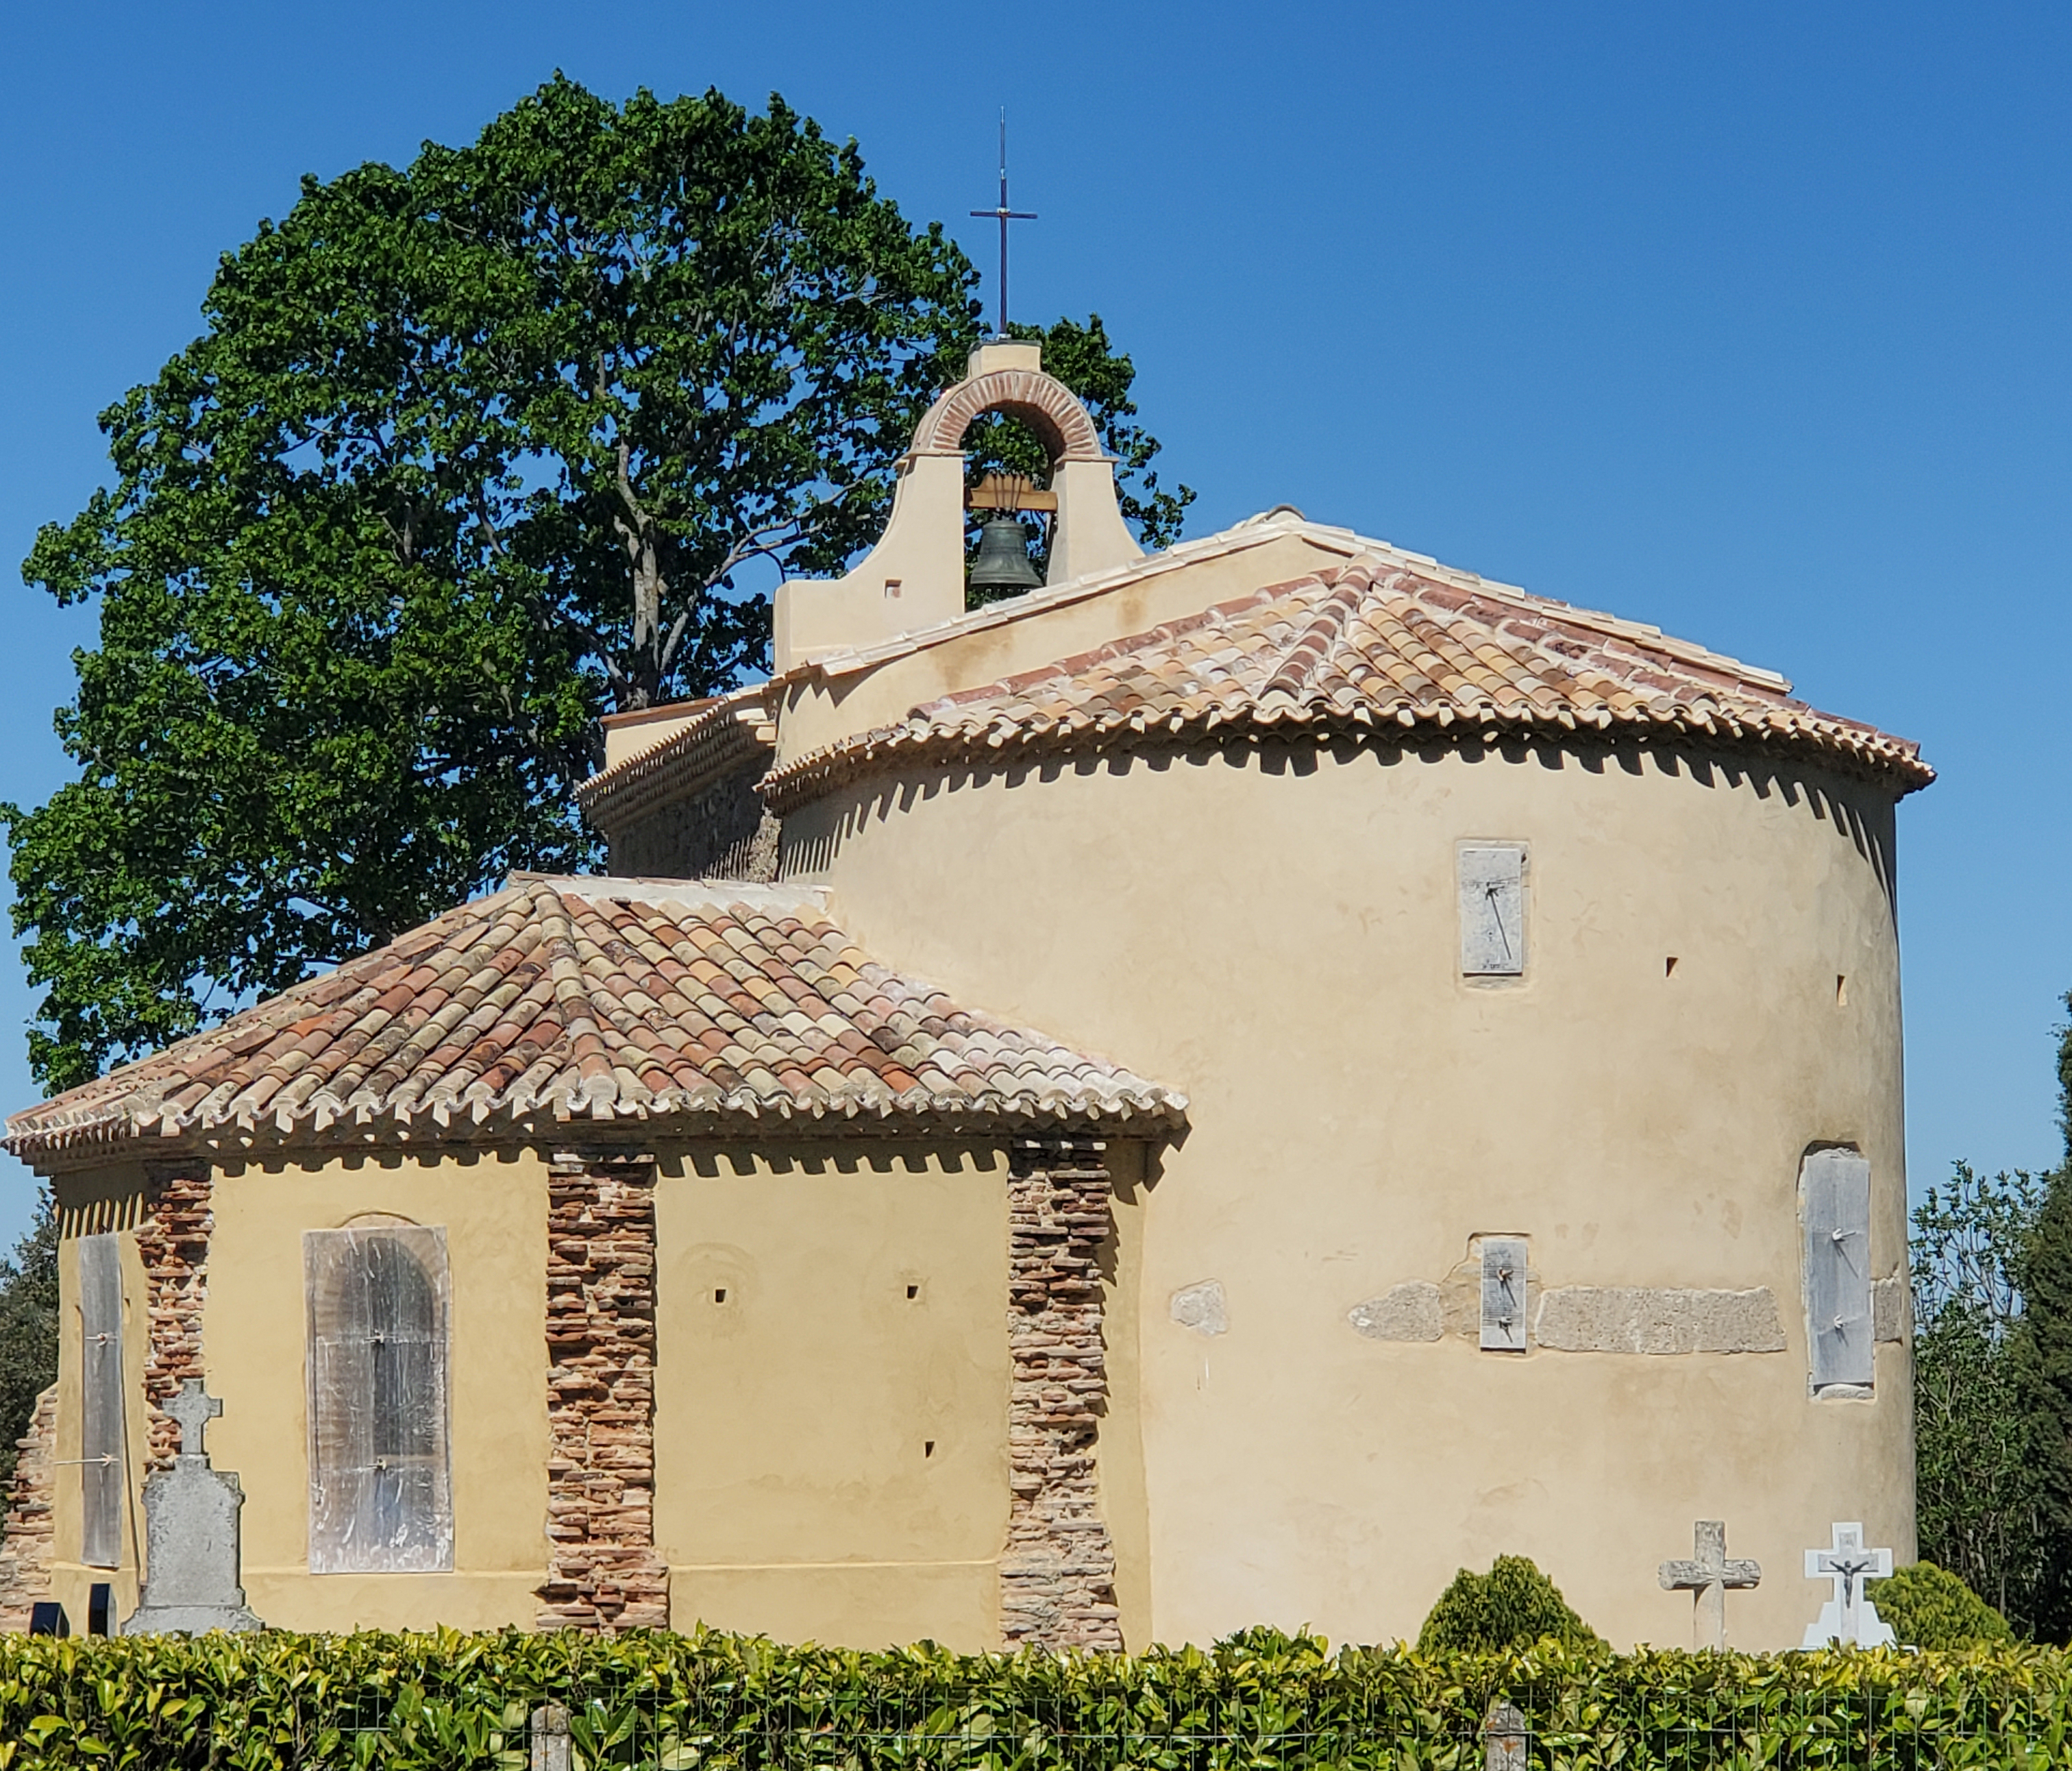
380	1499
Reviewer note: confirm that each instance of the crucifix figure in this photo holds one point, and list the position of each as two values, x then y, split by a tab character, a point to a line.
1706	1576
193	1409
1849	1615
1004	215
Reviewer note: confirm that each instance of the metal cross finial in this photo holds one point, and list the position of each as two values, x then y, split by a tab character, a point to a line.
193	1409
1004	215
1706	1576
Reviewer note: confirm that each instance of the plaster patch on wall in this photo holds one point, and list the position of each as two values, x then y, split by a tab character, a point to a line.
1410	1312
1645	1319
1201	1307
1460	1294
1889	1309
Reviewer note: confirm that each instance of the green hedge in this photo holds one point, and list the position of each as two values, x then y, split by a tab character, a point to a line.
1260	1702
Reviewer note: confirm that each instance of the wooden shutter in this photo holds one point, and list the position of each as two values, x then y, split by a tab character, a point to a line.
101	1447
1835	1200
381	1497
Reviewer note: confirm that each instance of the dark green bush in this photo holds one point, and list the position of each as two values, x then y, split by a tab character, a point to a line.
1929	1606
1258	1702
1512	1606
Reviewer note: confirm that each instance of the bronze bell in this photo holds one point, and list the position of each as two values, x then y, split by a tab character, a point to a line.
1003	562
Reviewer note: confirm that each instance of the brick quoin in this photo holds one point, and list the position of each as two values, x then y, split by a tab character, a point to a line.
603	1571
25	1555
1057	1575
172	1240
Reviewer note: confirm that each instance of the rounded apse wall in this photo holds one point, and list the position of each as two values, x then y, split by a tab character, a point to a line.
1709	993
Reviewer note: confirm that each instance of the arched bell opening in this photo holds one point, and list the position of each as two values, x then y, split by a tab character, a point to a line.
1007	445
1011	508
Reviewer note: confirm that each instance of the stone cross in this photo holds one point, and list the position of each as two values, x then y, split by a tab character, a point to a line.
1706	1577
191	1540
1848	1615
194	1408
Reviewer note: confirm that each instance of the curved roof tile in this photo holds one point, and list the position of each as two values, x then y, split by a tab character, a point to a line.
1372	646
599	998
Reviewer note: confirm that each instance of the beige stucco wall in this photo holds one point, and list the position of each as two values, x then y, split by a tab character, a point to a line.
795	1490
1276	932
494	1210
1029	633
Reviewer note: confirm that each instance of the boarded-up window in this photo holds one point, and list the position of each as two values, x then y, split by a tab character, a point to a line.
1836	1198
1492	882
380	1496
101	1446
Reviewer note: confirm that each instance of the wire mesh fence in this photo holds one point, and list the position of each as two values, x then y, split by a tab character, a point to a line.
663	1726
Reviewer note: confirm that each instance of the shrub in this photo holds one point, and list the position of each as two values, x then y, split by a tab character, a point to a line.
1263	1701
1512	1606
1929	1607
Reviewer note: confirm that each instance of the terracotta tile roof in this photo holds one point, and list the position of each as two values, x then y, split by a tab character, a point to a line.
726	733
710	1005
1375	646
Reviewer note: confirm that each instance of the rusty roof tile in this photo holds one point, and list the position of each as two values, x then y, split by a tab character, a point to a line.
703	1006
1376	644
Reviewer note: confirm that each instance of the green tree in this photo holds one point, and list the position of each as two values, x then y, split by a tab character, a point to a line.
28	1328
1512	1606
1977	1493
2042	1362
466	453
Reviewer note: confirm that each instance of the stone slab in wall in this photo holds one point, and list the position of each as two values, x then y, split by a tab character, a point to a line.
1412	1310
1652	1320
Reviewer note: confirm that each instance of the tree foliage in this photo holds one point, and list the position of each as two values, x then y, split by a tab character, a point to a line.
2042	1376
1929	1607
1513	1606
28	1328
466	453
1976	1493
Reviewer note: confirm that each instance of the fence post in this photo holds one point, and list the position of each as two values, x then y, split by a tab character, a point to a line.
1504	1737
550	1738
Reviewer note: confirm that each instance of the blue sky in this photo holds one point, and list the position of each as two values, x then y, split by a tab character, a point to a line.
1749	321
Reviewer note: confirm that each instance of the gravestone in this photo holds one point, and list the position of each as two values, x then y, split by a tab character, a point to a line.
1706	1576
190	1534
1848	1617
1505	1738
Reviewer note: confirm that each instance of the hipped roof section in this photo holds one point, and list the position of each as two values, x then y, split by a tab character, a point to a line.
1379	647
722	735
708	1007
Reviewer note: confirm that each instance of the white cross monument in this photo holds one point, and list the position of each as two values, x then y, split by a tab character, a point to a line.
1706	1577
1848	1617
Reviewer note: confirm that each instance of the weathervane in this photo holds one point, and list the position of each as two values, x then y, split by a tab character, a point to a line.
1004	215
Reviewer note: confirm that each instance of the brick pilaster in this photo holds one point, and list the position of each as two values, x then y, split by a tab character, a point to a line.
25	1556
1057	1577
172	1239
603	1570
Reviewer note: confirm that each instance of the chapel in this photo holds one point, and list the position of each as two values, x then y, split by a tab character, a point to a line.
1215	1090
